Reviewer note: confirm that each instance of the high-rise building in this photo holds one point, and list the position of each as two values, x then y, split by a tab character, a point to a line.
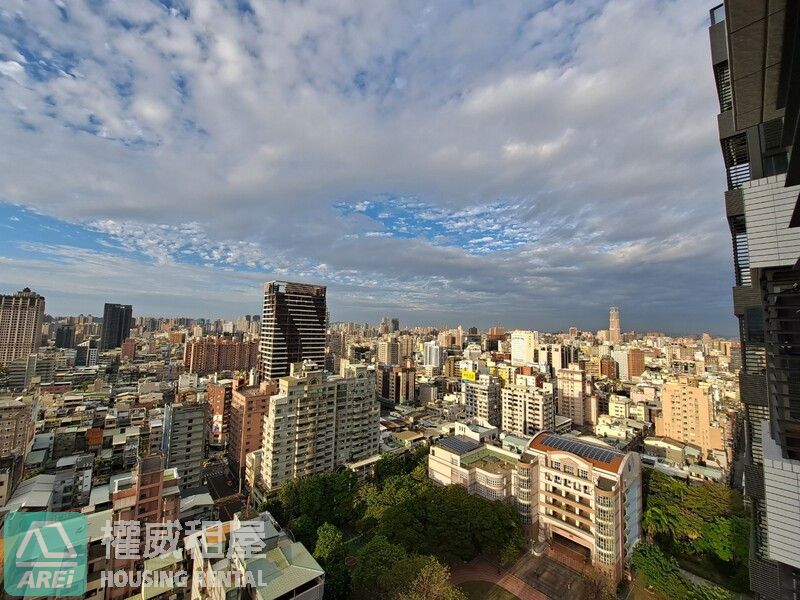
432	356
388	352
526	409
116	325
317	422
292	327
635	362
219	395
396	383
184	442
523	347
21	318
608	367
65	336
149	494
213	354
614	333
754	52
688	415
482	399
249	406
87	352
572	393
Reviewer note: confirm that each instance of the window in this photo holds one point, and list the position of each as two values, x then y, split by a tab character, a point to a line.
754	324
555	465
737	160
583	474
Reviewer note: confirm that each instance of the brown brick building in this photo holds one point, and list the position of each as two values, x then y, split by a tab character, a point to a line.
210	355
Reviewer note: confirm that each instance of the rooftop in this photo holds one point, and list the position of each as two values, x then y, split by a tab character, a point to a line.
599	456
458	444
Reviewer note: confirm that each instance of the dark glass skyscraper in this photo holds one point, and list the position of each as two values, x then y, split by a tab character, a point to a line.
292	327
65	336
755	53
116	325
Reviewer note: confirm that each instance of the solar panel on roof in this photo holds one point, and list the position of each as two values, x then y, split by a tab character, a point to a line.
583	449
458	444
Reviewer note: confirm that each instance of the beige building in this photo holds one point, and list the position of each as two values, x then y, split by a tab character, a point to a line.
579	494
526	409
317	422
16	427
389	352
572	396
21	317
688	415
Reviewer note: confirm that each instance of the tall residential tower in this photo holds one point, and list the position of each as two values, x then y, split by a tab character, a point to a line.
292	327
116	325
21	317
755	53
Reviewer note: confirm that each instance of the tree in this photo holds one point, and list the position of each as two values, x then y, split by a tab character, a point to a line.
330	543
376	558
326	497
432	583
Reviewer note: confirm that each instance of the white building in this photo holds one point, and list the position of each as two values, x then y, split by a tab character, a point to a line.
433	354
526	409
523	347
576	491
317	422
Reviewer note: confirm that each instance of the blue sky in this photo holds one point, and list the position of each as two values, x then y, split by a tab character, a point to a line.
443	162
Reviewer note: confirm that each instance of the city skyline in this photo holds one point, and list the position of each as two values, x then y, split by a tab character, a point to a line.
376	320
405	172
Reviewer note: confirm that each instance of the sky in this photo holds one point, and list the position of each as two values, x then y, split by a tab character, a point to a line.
526	163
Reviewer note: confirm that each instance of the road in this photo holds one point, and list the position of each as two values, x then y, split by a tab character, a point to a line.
224	491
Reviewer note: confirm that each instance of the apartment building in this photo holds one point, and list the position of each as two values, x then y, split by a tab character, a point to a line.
185	439
688	415
527	409
754	52
21	318
523	347
213	354
482	399
249	406
219	395
16	426
566	491
317	422
572	383
150	494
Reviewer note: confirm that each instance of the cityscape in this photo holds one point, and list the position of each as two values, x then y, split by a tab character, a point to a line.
455	390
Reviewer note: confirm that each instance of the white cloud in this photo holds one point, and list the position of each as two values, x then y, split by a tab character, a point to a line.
238	133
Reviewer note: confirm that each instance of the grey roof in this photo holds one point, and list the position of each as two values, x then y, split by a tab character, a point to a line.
458	444
33	493
283	569
196	501
583	449
100	494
